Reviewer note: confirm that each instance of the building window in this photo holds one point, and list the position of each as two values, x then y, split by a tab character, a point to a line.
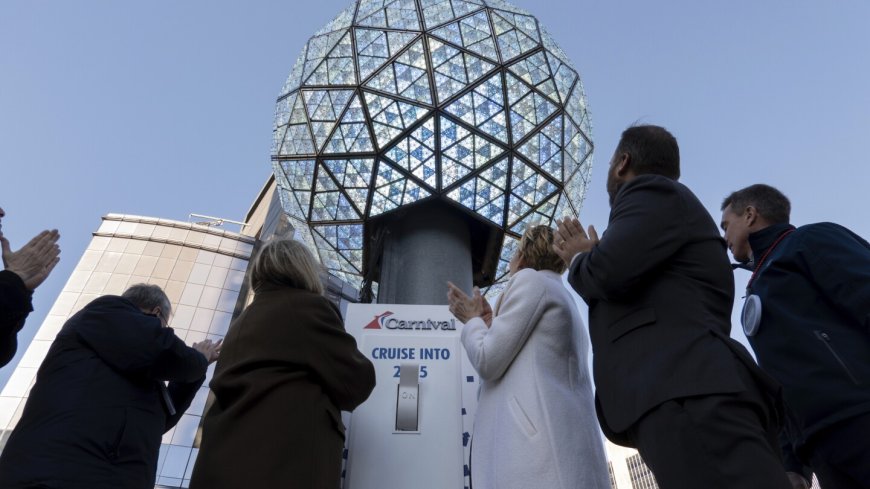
641	476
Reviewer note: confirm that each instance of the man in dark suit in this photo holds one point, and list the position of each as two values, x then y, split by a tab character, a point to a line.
99	407
670	381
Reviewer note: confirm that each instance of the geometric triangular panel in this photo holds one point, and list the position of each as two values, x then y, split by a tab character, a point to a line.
324	107
416	153
298	177
472	33
485	193
455	69
406	76
391	117
529	184
535	71
483	107
576	108
563	74
353	177
330	204
542	215
318	49
291	136
337	67
516	34
544	149
516	89
335	262
347	241
463	151
527	113
374	47
563	208
576	146
299	174
352	134
396	14
393	189
575	186
437	12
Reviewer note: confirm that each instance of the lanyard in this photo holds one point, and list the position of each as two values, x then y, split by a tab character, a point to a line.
764	257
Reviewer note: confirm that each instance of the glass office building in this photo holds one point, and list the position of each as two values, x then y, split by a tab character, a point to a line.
627	468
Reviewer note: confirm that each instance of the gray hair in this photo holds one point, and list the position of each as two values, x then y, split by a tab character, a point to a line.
289	263
147	297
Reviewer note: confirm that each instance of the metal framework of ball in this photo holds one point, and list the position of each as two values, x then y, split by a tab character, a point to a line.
394	103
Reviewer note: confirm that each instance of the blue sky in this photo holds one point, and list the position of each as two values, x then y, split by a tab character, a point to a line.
165	108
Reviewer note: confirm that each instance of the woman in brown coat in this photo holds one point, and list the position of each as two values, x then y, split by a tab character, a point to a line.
286	371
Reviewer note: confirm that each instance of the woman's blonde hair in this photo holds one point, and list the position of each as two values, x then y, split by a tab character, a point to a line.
286	262
536	249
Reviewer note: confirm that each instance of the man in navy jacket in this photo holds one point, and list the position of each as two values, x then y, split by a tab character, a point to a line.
100	405
807	317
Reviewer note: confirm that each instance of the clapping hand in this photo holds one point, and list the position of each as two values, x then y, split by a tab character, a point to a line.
570	239
35	260
464	307
210	349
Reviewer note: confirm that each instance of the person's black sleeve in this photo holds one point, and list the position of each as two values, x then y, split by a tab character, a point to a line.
15	305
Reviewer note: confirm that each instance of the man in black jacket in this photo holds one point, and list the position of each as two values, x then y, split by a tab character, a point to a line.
24	270
98	409
669	380
807	316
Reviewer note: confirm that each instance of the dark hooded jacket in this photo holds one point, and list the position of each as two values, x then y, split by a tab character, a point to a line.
814	334
99	407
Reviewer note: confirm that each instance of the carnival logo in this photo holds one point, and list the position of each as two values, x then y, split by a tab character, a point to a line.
378	321
384	321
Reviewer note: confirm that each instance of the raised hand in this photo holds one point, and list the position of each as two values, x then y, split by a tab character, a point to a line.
210	349
464	307
570	239
35	260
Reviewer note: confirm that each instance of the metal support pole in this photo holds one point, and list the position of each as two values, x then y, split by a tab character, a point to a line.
424	249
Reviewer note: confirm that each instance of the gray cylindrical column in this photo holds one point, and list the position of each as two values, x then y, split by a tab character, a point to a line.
423	249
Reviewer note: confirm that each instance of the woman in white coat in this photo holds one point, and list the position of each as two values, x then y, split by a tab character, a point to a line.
535	425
